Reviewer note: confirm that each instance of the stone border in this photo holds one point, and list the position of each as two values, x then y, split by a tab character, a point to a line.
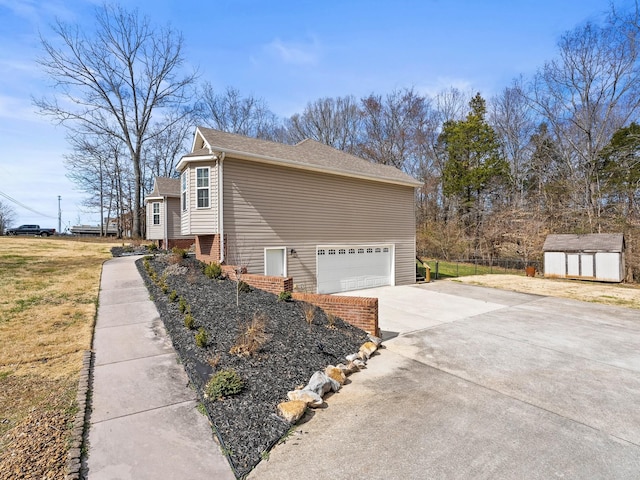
74	455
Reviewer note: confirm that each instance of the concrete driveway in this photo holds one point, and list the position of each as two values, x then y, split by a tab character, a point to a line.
479	383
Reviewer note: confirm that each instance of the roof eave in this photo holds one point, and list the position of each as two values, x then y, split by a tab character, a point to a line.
293	164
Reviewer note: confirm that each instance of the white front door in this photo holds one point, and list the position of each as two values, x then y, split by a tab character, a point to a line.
573	265
352	267
275	262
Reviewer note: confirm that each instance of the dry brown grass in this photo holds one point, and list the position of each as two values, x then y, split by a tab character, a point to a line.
252	337
620	295
309	312
48	297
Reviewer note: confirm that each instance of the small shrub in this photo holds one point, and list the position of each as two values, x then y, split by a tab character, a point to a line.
243	287
213	270
214	360
182	304
189	321
152	247
173	296
224	384
284	297
202	338
179	252
309	311
164	287
252	337
331	320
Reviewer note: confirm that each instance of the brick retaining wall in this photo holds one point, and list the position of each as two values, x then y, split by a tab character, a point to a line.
361	312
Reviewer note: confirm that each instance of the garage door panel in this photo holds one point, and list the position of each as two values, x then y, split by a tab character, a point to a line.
353	267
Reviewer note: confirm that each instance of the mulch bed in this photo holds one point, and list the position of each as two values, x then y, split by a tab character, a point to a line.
247	424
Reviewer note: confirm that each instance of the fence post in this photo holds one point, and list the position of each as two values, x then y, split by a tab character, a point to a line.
437	265
457	269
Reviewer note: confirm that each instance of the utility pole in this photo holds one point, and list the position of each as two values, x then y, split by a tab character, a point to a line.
59	217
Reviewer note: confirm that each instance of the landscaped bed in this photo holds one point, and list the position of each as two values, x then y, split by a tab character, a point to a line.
293	346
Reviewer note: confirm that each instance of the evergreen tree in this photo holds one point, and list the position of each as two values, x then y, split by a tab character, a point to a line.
474	166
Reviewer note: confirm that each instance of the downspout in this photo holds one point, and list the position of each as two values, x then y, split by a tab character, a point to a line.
165	214
221	207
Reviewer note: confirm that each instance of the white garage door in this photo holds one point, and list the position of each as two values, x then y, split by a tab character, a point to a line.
352	267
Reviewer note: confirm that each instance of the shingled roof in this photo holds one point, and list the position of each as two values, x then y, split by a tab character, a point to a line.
308	154
165	187
590	242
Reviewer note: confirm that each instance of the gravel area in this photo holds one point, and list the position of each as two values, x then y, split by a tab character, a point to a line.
247	424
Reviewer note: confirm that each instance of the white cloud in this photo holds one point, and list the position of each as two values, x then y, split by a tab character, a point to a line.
295	53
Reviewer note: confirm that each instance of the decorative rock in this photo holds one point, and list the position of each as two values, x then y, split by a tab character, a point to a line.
352	357
321	384
292	411
367	349
312	399
335	373
373	339
347	369
359	363
352	368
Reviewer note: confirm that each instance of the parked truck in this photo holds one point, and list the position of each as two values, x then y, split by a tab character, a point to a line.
31	230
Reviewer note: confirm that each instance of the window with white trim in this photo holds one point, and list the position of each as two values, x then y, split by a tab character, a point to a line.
183	190
202	187
155	210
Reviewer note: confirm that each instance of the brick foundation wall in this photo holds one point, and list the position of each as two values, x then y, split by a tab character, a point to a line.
208	248
176	242
361	312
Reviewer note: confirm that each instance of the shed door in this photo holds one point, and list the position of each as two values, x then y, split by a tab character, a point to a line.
352	267
573	264
586	265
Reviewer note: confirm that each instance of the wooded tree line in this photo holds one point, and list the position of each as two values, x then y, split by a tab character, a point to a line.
554	153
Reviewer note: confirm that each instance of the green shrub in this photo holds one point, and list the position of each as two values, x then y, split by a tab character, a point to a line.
182	304
202	338
213	270
189	321
224	384
179	252
173	296
284	297
243	287
152	247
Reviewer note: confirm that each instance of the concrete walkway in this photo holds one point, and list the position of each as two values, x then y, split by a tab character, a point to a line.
144	423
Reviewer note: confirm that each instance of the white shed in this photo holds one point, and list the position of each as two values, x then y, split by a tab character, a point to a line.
593	256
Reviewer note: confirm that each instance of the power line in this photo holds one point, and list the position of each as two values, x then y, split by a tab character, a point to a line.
20	204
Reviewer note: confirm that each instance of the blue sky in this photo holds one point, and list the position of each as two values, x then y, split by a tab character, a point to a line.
286	52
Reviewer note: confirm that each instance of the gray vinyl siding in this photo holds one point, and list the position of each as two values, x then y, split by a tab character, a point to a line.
201	221
274	206
173	219
155	232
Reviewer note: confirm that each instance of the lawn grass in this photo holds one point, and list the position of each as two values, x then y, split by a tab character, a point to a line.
459	269
48	299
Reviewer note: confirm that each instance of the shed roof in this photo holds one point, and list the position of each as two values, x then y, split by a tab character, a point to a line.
602	242
308	154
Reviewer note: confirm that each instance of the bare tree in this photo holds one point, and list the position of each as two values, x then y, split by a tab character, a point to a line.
95	166
511	118
7	216
230	112
585	95
391	128
118	81
332	121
